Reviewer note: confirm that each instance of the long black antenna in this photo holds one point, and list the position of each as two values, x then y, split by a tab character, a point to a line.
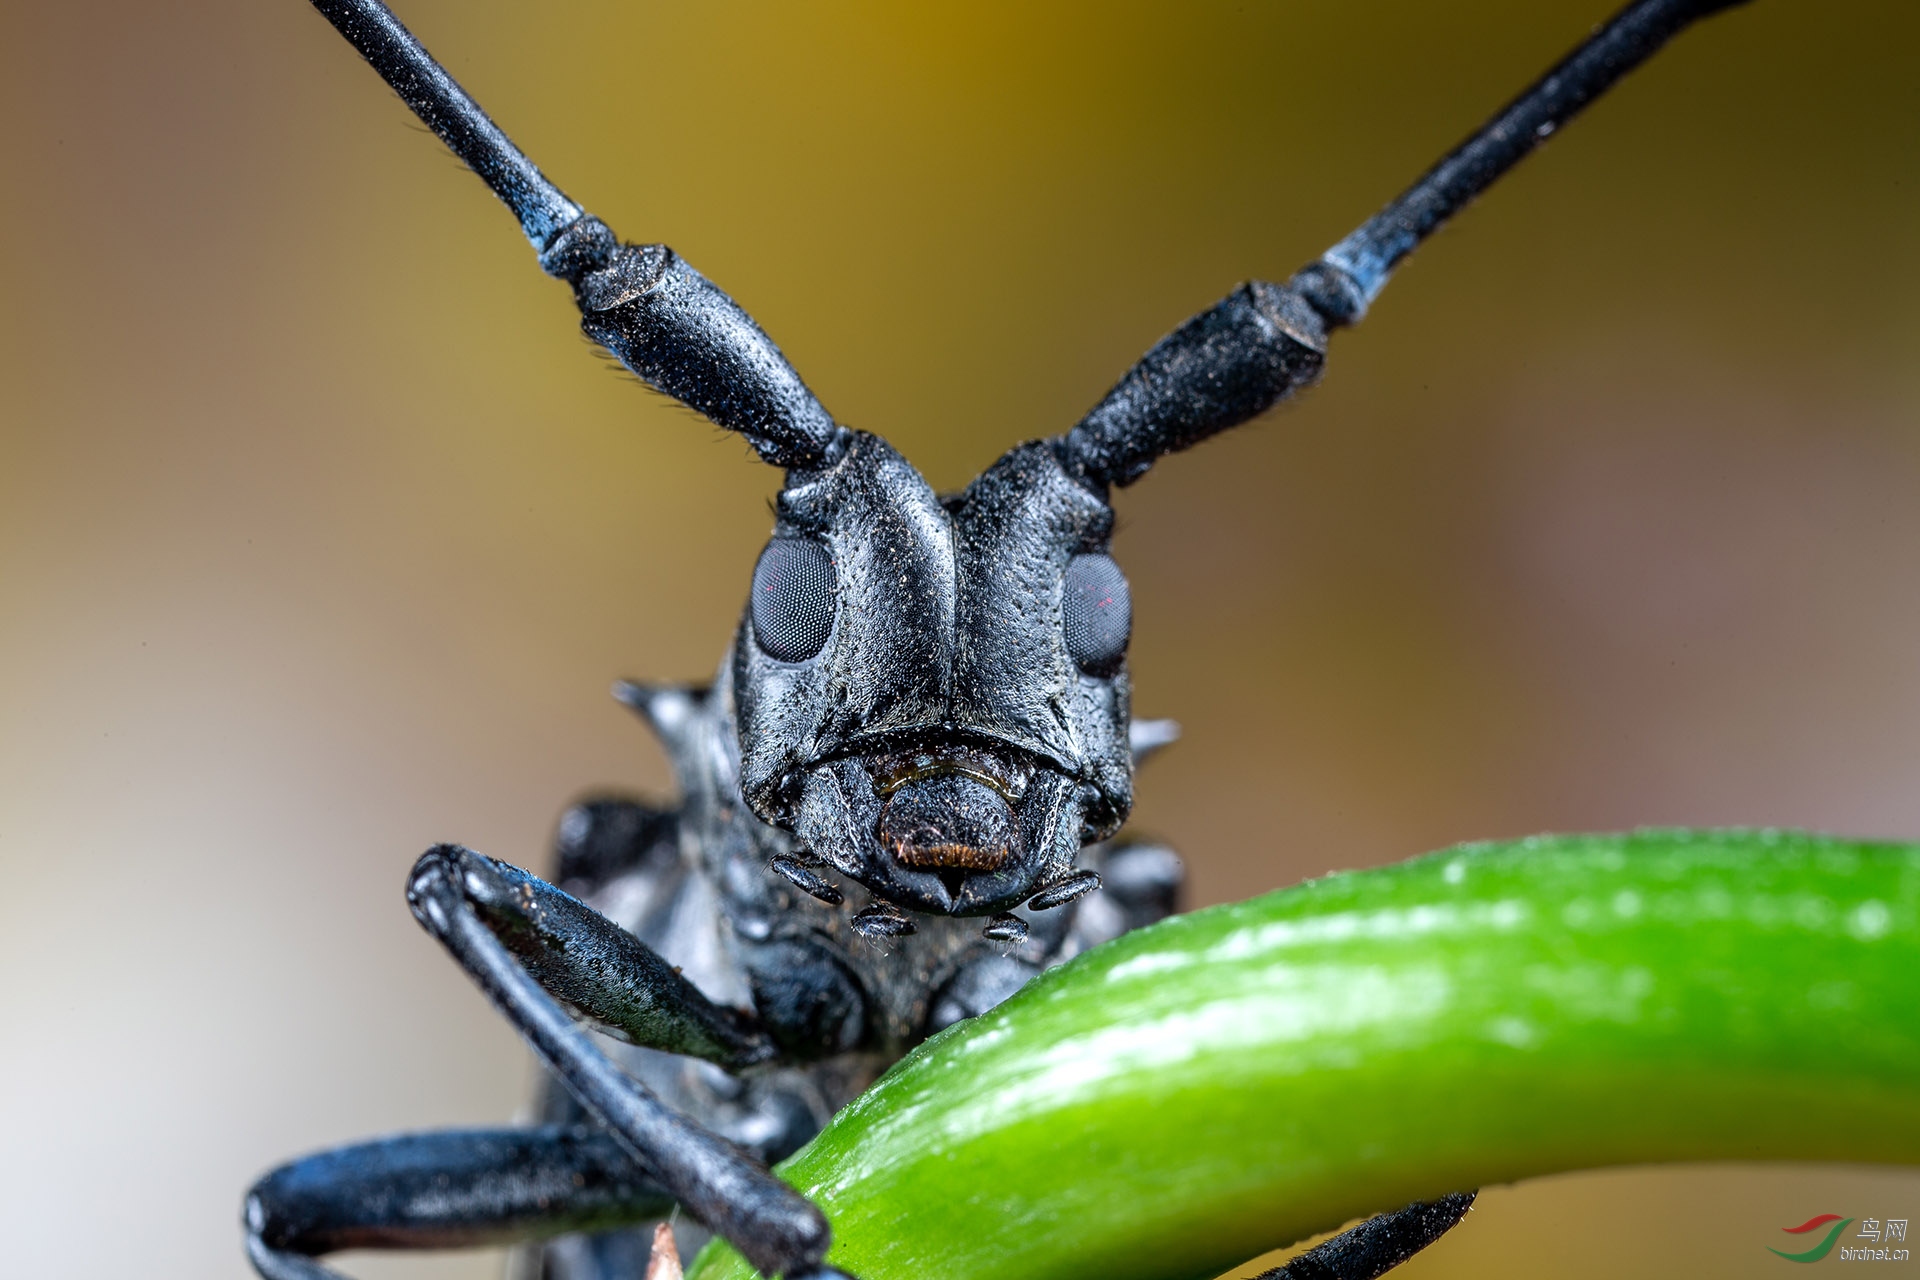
1360	264
1264	341
657	315
423	84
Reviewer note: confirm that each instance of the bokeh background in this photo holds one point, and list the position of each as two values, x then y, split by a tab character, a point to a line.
322	532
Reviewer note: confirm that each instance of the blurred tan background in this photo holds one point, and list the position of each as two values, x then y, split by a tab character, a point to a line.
322	532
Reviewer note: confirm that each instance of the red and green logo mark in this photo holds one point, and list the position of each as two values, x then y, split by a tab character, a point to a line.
1814	1223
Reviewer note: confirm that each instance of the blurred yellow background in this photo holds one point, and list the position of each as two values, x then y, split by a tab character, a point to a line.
323	532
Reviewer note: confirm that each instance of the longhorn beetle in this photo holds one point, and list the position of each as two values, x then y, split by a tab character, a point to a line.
901	793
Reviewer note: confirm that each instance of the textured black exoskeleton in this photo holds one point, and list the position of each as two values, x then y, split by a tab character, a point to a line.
899	796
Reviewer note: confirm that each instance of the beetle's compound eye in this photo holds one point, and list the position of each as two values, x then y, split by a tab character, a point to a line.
793	593
1099	613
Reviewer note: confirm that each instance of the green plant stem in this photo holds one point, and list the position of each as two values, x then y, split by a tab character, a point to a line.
1233	1080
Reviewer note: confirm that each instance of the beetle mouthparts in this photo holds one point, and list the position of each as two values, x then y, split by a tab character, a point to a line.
995	769
948	821
930	857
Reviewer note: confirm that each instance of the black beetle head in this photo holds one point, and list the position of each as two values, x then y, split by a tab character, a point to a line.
931	694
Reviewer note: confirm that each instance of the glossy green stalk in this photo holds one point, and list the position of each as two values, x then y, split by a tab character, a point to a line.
1229	1081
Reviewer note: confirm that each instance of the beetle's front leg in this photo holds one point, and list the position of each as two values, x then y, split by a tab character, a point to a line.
520	939
1377	1245
443	1190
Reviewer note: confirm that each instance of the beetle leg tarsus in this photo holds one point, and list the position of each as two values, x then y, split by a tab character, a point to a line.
1378	1245
439	1190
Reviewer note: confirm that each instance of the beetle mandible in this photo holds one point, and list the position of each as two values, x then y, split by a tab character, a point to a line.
900	795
